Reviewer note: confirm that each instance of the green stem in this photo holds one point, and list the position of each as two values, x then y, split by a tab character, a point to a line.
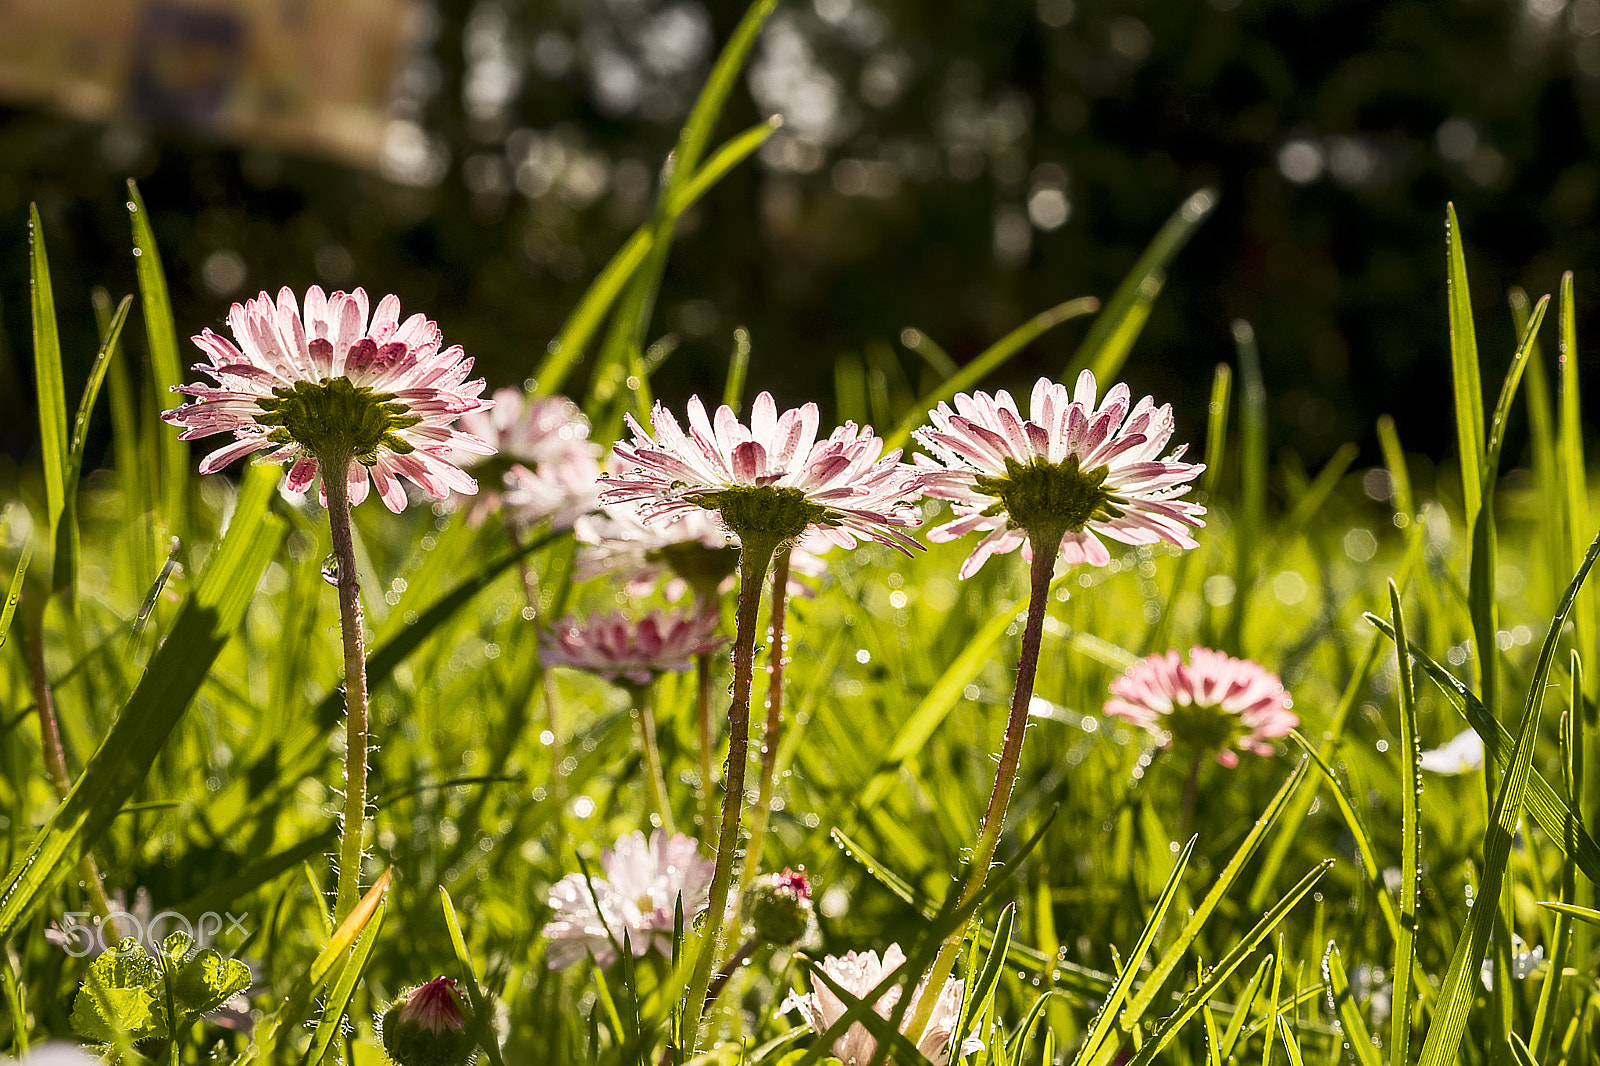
644	715
708	800
1191	793
352	846
755	556
1046	546
777	655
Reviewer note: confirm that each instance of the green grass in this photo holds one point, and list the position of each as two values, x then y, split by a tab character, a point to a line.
197	714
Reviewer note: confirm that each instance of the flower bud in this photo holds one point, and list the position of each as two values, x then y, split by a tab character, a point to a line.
429	1026
778	906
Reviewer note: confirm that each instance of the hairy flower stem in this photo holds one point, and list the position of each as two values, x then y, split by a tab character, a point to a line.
777	655
55	762
1046	546
755	557
644	715
352	844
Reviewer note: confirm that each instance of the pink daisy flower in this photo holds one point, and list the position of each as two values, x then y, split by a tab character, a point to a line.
378	397
643	880
617	647
1072	466
435	1007
544	457
859	973
1213	703
773	479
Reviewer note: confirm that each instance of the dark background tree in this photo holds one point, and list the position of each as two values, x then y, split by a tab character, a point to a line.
954	166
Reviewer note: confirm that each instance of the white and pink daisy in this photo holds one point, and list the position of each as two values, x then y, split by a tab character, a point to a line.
694	551
378	399
617	647
773	479
858	973
637	893
1213	702
543	455
432	1023
1071	468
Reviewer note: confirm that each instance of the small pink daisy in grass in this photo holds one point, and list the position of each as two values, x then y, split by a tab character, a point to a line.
637	893
375	399
619	648
1071	469
1212	703
543	455
431	1024
858	973
772	480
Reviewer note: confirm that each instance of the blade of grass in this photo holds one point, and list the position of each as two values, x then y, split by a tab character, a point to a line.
980	995
1175	952
1185	581
1458	991
986	362
1019	1043
331	1025
1520	1052
1241	1013
1357	1037
1572	741
738	368
51	397
202	627
14	591
161	333
1109	339
481	1007
1252	478
1196	997
1549	810
1405	949
1100	1028
1275	1011
1464	369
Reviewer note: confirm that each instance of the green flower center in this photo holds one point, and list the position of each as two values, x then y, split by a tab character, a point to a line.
1042	497
1204	727
704	568
336	420
765	513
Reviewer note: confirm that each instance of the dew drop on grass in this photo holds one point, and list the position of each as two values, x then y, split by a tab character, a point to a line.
330	569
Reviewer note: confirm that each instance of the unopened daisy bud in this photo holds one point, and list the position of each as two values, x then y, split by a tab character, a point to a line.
430	1026
778	906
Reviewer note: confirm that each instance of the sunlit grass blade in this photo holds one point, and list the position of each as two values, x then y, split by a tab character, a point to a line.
1186	581
986	362
1464	369
1019	1043
1542	801
1241	1013
204	625
978	995
930	352
1252	479
1214	978
1103	1022
1573	740
1274	1009
1508	393
91	393
1520	1051
1109	339
738	368
331	1024
8	611
482	1008
51	403
563	353
1583	914
263	1046
1459	987
1405	951
1175	952
161	333
1343	1000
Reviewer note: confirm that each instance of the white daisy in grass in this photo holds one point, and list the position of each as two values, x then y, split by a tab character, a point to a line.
543	456
1213	703
858	973
375	400
636	891
619	648
1071	470
772	480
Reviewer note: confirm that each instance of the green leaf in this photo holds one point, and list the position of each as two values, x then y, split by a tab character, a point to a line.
1019	1042
52	406
121	994
978	997
1464	370
14	592
117	768
161	334
331	1025
1520	1052
986	362
1459	989
207	980
1111	337
1405	949
1356	1035
482	1008
1252	478
1573	743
